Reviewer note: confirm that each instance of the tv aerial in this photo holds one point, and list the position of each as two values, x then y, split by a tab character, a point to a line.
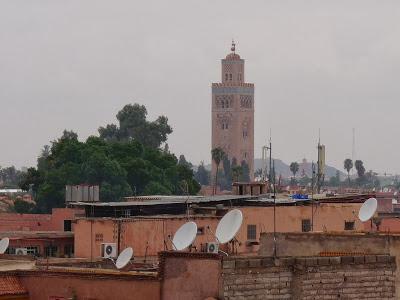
4	242
228	226
123	258
184	236
368	209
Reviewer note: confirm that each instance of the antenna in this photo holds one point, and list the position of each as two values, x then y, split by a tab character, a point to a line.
228	226
4	242
184	236
368	209
124	258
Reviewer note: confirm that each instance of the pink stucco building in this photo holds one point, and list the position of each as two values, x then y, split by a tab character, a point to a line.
233	112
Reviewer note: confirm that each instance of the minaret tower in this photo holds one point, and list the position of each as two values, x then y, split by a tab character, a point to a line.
233	113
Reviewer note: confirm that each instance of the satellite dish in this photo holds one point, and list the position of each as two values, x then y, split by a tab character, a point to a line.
184	236
4	242
394	201
124	258
229	226
395	194
368	209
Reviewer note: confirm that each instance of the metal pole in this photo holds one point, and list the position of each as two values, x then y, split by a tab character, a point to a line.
274	212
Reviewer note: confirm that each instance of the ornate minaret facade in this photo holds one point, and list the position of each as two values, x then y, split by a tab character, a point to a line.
233	113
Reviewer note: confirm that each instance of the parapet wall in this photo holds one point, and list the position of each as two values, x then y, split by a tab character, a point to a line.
347	277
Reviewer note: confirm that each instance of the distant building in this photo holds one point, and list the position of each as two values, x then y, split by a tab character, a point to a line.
233	113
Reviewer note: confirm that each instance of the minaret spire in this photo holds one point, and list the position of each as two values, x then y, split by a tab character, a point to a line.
233	46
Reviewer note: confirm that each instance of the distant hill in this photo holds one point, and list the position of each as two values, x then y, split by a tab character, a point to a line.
281	168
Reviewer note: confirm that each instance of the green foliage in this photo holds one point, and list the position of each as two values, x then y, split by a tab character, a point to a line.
202	175
294	168
133	125
10	177
360	168
23	207
122	161
217	155
348	165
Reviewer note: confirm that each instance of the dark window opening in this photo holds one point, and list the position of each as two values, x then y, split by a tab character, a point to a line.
200	230
305	225
69	250
251	232
349	225
67	225
51	251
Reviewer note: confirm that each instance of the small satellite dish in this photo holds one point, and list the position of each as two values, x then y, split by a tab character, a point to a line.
368	209
124	258
395	194
394	201
229	226
184	236
4	242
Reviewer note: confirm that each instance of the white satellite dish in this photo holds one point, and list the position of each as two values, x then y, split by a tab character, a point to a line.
368	209
394	201
4	242
184	236
124	258
229	226
395	194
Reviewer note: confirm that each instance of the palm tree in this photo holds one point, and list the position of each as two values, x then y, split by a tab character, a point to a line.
294	168
348	165
217	155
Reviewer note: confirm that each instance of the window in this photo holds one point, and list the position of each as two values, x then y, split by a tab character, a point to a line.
68	250
200	230
67	225
10	250
224	125
251	232
34	250
305	225
226	76
349	225
245	133
51	251
230	77
240	77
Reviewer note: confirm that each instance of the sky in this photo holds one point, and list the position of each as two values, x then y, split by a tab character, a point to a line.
316	65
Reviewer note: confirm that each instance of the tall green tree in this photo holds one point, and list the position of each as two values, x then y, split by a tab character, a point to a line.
120	166
294	168
202	175
133	124
217	155
360	168
348	165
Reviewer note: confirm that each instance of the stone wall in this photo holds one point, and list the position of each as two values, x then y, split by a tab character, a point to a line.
346	277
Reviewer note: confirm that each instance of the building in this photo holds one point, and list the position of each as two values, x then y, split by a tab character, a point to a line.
302	266
148	225
233	113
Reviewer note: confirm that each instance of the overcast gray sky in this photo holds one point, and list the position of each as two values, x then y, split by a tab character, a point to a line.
332	65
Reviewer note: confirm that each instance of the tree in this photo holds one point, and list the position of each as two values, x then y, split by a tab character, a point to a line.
245	176
23	207
133	124
119	164
202	175
348	165
360	168
237	172
217	155
294	168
